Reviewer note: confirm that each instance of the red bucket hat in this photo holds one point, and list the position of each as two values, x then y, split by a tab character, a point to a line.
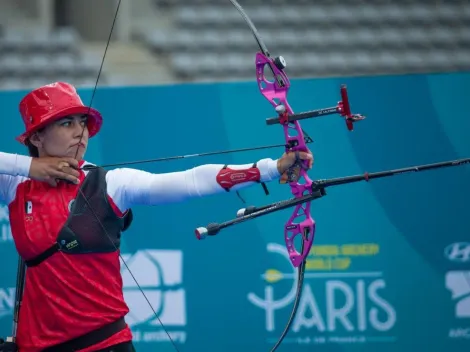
52	102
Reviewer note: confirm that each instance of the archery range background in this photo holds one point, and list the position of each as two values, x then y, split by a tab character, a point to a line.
389	241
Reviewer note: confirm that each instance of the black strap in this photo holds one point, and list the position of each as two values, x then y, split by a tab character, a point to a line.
8	346
225	188
43	256
128	217
120	347
90	339
265	188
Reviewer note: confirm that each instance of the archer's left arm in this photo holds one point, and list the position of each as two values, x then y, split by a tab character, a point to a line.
128	187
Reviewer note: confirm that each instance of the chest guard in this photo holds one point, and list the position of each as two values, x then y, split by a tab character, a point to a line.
82	233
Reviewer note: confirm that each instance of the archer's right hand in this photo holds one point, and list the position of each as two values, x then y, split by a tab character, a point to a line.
51	169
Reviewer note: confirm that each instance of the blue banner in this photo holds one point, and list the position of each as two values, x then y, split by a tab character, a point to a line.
390	266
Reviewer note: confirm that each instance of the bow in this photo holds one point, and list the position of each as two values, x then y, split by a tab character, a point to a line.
300	223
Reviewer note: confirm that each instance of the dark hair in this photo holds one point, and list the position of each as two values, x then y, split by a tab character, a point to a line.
32	150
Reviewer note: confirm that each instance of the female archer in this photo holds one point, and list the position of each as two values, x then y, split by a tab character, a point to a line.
67	216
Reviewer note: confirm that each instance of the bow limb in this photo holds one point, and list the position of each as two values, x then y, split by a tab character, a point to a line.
93	210
300	282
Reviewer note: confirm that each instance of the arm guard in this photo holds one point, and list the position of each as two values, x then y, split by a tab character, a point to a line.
228	178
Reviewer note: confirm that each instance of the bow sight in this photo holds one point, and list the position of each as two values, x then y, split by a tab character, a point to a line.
343	108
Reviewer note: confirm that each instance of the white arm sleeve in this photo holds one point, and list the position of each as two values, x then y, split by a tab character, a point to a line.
14	169
129	187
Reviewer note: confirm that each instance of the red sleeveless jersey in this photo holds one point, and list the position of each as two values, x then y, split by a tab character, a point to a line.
67	295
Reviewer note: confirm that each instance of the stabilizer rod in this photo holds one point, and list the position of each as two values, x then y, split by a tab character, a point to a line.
319	190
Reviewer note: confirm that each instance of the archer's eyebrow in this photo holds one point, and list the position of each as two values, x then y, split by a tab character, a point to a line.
65	119
71	118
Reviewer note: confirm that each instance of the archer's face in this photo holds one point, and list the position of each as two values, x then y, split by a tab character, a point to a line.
63	137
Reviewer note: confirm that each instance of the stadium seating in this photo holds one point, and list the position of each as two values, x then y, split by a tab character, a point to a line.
208	39
205	40
29	58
